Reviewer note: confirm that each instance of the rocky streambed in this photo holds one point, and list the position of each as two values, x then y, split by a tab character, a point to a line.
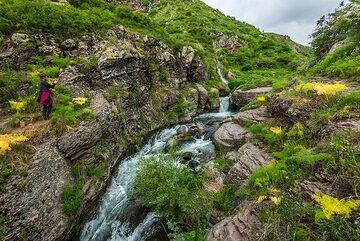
119	217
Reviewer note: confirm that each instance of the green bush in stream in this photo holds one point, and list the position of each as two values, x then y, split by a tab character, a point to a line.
172	190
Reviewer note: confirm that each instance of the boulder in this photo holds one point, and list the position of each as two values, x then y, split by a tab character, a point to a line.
243	226
214	99
241	98
214	181
289	112
203	97
20	38
230	136
248	158
256	116
352	125
187	55
182	130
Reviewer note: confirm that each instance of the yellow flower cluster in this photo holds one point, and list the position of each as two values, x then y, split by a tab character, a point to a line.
80	101
17	105
321	88
7	140
332	205
261	98
274	197
276	130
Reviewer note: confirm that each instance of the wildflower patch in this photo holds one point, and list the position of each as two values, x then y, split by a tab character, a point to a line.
7	140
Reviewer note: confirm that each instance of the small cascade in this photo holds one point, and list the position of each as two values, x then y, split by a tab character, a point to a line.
114	221
221	74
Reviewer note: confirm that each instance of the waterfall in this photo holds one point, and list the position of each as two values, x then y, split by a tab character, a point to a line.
221	74
118	199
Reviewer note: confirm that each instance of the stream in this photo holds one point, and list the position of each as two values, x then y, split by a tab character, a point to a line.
119	217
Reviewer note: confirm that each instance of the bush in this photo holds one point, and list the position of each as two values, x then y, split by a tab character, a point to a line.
172	190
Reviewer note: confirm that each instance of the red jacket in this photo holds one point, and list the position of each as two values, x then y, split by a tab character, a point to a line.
45	98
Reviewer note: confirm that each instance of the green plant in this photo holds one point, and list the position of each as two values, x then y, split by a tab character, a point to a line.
71	197
172	190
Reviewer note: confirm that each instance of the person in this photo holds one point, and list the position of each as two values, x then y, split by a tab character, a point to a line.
44	97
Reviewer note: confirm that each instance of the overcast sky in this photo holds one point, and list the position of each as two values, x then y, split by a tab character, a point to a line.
296	18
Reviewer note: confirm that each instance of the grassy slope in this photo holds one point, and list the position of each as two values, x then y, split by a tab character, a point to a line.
196	24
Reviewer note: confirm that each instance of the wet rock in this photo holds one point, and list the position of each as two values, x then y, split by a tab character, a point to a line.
244	226
241	98
214	99
248	158
257	116
182	130
230	136
20	38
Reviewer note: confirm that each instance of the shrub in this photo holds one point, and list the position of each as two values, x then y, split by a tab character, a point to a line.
172	190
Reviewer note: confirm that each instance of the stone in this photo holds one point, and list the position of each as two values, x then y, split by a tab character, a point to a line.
39	204
243	226
241	98
352	125
214	182
230	136
258	115
247	159
286	110
203	97
20	38
214	99
187	55
182	130
69	44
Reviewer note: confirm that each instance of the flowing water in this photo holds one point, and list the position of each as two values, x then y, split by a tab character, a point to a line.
118	200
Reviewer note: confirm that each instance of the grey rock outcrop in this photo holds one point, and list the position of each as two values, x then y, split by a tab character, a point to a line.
247	159
37	209
241	98
256	116
244	226
230	136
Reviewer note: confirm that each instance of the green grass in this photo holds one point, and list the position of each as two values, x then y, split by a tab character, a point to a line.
279	79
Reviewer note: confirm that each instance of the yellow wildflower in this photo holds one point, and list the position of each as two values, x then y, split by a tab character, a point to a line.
7	140
330	89
80	100
332	205
276	130
261	199
261	98
17	105
274	191
276	200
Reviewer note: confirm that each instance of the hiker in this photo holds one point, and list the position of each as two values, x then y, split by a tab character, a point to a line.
44	97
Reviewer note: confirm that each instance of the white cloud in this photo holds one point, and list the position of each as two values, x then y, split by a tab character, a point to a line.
291	17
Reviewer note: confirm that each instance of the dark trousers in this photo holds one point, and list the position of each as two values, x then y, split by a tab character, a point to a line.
47	111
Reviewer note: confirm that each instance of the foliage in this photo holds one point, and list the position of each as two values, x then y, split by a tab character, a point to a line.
172	190
321	88
331	206
223	163
7	140
80	101
225	199
273	135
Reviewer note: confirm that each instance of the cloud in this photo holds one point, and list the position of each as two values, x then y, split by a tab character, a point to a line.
292	17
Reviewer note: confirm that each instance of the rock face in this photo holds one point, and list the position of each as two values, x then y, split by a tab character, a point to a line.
248	158
241	98
244	226
230	136
346	125
36	210
257	116
143	98
286	110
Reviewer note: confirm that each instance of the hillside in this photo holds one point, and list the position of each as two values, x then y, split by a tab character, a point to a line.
171	107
